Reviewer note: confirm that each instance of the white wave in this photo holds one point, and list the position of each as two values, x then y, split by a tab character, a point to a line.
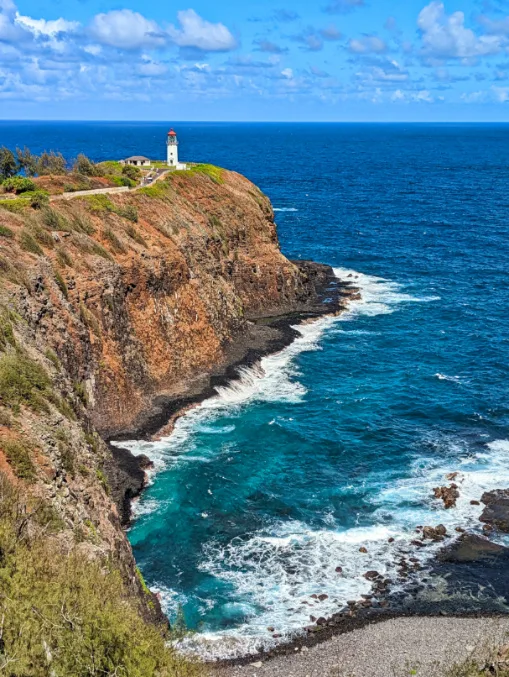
444	377
285	209
279	570
379	296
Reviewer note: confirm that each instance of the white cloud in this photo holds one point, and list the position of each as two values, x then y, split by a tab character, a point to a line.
197	33
501	94
126	29
446	36
41	27
287	73
367	44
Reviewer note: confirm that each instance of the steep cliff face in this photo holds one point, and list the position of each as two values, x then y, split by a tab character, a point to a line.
111	305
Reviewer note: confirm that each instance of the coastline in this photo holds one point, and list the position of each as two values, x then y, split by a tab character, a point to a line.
265	335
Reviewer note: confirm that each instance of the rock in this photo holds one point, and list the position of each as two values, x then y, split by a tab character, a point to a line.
452	476
323	597
471	548
371	575
390	540
363	550
339	570
270	629
321	621
312	619
448	495
475	502
258	664
460	530
496	512
434	533
314	596
352	602
419	544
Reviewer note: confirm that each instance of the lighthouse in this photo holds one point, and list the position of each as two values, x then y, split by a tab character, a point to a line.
172	145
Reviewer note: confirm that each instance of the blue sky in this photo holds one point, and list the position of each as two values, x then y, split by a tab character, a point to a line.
330	60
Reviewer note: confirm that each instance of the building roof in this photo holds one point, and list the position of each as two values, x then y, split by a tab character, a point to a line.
172	133
139	158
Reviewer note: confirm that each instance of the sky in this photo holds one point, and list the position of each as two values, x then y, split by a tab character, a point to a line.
299	60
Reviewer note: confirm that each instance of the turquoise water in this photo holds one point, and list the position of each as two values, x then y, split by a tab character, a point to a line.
337	441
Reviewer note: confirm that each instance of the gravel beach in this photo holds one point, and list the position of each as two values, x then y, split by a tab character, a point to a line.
422	646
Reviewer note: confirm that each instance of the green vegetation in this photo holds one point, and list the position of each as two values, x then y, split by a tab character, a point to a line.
16	206
29	243
54	220
85	166
115	242
52	357
64	258
64	615
213	172
18	184
134	235
99	203
80	391
61	284
133	173
19	453
102	479
6	232
159	190
8	164
23	381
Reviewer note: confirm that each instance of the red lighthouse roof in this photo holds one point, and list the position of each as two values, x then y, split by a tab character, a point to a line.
172	133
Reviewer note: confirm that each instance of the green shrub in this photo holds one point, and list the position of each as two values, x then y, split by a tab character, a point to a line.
214	173
18	453
29	243
23	381
102	479
133	233
65	615
99	203
61	284
159	190
6	232
16	206
82	223
85	166
64	258
38	199
5	418
132	173
18	184
53	358
116	243
121	181
129	212
54	220
80	391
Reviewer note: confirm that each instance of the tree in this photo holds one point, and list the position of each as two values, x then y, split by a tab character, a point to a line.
85	166
26	161
131	172
51	163
8	165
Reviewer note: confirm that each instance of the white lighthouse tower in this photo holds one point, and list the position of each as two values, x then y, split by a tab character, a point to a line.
172	147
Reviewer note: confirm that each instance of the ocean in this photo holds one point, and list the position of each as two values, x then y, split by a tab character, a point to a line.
336	442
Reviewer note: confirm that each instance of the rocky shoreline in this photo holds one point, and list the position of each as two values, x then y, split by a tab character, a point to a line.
264	335
467	564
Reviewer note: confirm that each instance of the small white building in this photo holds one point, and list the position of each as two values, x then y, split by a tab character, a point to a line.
137	161
172	148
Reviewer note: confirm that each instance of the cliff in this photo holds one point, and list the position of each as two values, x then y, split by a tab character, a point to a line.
117	310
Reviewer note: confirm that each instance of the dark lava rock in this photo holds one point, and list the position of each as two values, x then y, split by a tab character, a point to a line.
339	570
390	540
321	621
419	544
371	575
363	550
475	502
471	548
496	512
323	597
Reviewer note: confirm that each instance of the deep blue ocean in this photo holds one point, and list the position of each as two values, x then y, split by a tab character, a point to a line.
337	442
